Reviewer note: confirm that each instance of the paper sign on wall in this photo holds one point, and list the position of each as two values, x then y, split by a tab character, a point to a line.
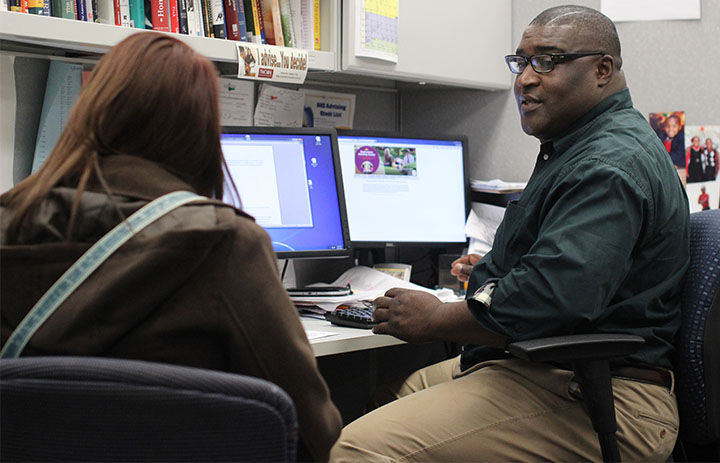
279	107
650	10
271	63
237	102
328	109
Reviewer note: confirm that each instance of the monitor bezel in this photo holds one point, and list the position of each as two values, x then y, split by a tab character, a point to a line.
321	253
466	185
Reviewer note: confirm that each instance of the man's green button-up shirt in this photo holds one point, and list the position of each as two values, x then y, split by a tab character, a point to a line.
597	242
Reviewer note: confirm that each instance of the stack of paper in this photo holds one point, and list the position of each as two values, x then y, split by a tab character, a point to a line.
366	284
481	225
497	186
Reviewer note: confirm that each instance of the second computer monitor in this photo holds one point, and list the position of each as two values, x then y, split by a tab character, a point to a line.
404	190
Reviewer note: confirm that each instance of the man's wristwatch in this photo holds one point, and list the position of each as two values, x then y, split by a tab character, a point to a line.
484	293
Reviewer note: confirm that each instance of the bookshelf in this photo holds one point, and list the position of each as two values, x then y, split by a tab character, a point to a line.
466	57
40	33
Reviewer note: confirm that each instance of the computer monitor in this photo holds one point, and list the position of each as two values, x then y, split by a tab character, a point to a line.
402	190
289	180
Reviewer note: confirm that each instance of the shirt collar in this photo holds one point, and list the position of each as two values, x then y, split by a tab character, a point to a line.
616	101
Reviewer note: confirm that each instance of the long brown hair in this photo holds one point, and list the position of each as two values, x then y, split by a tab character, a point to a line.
150	96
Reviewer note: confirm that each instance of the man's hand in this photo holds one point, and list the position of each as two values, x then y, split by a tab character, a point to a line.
406	314
462	267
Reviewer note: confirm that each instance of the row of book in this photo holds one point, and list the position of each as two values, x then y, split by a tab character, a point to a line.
288	23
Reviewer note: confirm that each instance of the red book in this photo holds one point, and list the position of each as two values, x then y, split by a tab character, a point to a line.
174	17
231	20
116	12
160	20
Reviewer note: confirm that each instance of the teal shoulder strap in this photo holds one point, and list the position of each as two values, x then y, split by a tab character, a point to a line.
87	263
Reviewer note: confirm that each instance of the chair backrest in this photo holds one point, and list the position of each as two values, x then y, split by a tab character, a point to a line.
100	409
698	357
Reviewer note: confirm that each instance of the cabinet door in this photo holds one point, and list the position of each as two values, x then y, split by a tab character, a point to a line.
453	42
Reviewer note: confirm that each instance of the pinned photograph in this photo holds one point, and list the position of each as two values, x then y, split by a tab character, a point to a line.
670	129
701	153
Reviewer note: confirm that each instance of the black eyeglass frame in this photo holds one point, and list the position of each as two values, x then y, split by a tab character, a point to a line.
555	58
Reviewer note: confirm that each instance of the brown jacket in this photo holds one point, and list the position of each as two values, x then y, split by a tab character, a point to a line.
198	287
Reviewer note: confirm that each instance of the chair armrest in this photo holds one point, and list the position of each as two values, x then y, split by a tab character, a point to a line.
576	347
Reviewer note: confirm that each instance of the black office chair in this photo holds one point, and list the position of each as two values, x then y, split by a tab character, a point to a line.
100	409
697	366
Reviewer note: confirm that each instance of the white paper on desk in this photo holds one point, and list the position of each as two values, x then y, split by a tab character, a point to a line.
497	185
318	334
368	284
279	107
237	100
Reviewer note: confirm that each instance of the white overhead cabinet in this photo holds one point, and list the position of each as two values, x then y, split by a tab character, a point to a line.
460	43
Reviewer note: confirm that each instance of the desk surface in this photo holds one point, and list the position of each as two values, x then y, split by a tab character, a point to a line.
343	339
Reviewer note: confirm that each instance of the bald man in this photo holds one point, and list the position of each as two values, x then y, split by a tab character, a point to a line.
598	243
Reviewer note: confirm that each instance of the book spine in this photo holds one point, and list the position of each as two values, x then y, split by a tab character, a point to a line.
36	6
46	8
206	13
249	20
16	6
231	19
93	8
125	13
217	18
194	28
259	27
89	11
316	24
242	24
137	13
116	13
24	5
81	12
271	22
286	23
159	15
308	20
200	18
173	19
182	17
296	22
105	12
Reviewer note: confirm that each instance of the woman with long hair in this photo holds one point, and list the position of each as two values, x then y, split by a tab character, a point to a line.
197	287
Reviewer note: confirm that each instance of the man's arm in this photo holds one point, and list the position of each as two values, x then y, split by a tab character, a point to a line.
417	316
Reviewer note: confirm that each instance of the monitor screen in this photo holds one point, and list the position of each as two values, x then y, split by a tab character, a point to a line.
288	179
404	190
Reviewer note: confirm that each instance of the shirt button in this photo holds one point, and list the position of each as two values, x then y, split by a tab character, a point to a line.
545	157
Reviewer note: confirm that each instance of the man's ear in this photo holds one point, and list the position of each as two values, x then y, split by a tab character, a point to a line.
605	70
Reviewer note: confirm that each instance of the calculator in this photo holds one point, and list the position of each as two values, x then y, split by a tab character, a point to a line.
356	315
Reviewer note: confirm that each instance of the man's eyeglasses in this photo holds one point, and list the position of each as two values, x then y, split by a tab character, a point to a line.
543	63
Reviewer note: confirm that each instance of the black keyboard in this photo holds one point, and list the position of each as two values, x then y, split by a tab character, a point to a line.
356	315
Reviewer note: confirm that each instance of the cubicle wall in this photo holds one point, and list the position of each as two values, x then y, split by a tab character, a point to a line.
669	65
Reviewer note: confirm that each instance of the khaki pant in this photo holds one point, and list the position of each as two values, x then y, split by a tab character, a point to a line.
505	410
